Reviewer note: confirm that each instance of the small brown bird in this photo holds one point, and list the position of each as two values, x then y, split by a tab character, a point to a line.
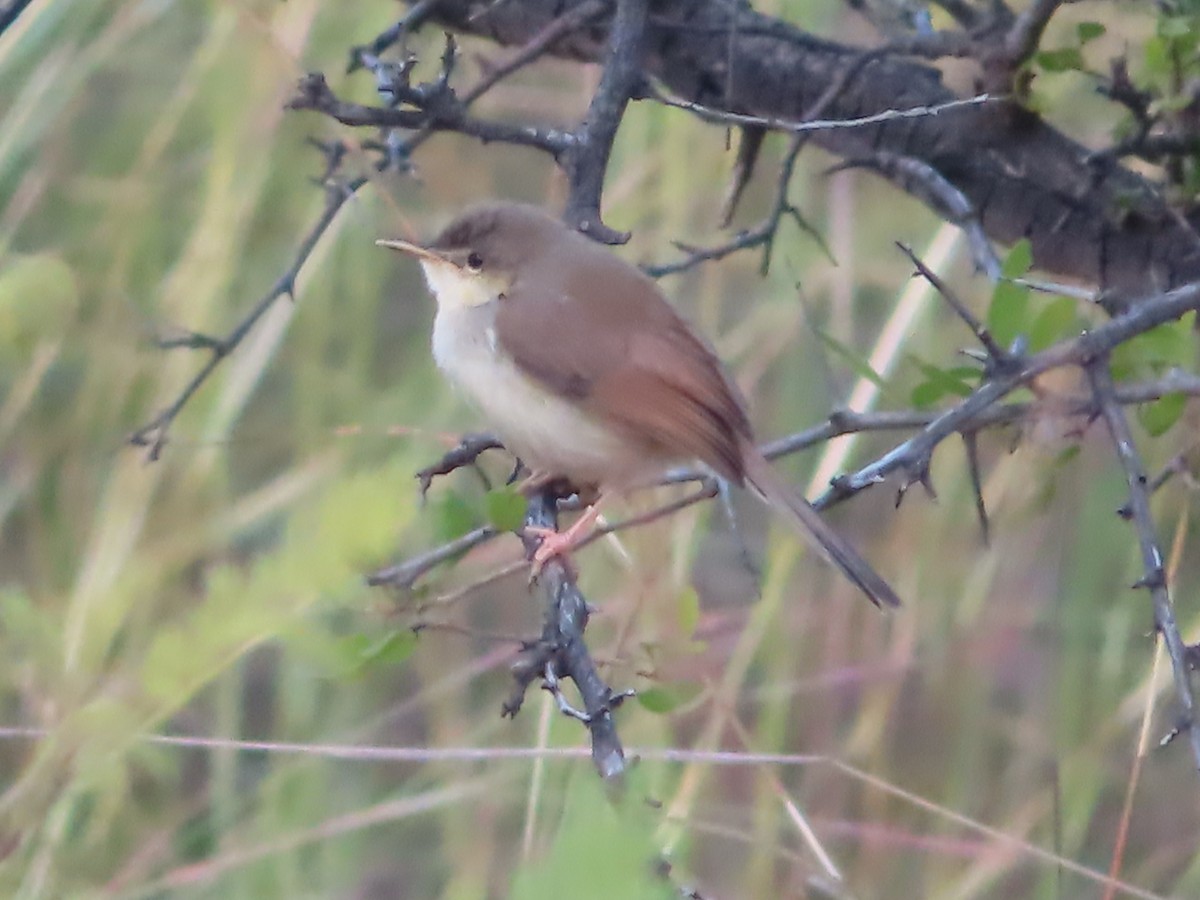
586	372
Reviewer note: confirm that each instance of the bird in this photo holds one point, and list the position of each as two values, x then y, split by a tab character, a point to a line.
587	372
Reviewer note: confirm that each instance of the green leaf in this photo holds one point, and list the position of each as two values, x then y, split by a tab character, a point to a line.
1158	417
856	362
360	651
949	382
668	697
1068	454
1008	314
1057	319
1162	347
453	516
926	394
1064	59
688	609
505	508
939	382
1019	260
38	300
1089	31
604	846
1157	55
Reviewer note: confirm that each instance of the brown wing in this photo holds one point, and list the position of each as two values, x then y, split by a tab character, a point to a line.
603	335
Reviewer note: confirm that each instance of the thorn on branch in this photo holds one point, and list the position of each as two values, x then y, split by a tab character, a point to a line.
416	16
334	153
193	340
1154	576
999	358
971	442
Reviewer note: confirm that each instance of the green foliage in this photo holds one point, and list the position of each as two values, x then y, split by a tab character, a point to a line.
505	508
604	848
667	698
1155	351
1158	417
1057	319
38	301
452	515
362	653
150	183
940	383
856	362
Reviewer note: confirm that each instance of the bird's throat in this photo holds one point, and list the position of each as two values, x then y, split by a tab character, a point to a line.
456	289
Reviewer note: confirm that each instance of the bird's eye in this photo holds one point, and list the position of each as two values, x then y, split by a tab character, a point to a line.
474	262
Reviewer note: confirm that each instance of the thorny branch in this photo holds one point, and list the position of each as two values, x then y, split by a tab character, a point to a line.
1154	577
442	112
406	574
912	458
153	435
422	110
561	652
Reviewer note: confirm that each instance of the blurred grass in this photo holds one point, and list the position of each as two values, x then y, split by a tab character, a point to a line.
149	181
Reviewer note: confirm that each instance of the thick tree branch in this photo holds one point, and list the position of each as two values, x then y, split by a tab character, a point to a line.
1086	218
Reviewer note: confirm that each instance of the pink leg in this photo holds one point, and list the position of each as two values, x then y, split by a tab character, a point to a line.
559	543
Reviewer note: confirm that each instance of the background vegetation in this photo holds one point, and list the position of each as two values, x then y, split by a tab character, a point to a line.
985	741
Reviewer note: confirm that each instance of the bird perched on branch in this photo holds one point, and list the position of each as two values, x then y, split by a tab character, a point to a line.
587	373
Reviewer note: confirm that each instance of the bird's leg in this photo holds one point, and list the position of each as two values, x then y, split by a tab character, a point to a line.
560	543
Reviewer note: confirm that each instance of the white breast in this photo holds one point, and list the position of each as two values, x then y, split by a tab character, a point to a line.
550	434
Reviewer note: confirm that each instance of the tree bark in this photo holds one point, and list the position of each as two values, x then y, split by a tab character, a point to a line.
1087	219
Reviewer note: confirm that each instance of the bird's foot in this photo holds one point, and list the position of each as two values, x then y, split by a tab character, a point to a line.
555	544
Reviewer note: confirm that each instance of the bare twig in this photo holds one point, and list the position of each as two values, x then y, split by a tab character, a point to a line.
416	16
763	234
720	117
760	235
466	453
1023	38
998	355
571	20
11	11
447	114
1154	576
153	435
404	575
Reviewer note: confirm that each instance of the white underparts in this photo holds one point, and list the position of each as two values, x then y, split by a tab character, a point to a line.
549	433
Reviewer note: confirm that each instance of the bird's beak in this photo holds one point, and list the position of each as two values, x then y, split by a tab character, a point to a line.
422	253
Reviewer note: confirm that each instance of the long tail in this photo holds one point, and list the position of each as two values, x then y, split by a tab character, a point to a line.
808	522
